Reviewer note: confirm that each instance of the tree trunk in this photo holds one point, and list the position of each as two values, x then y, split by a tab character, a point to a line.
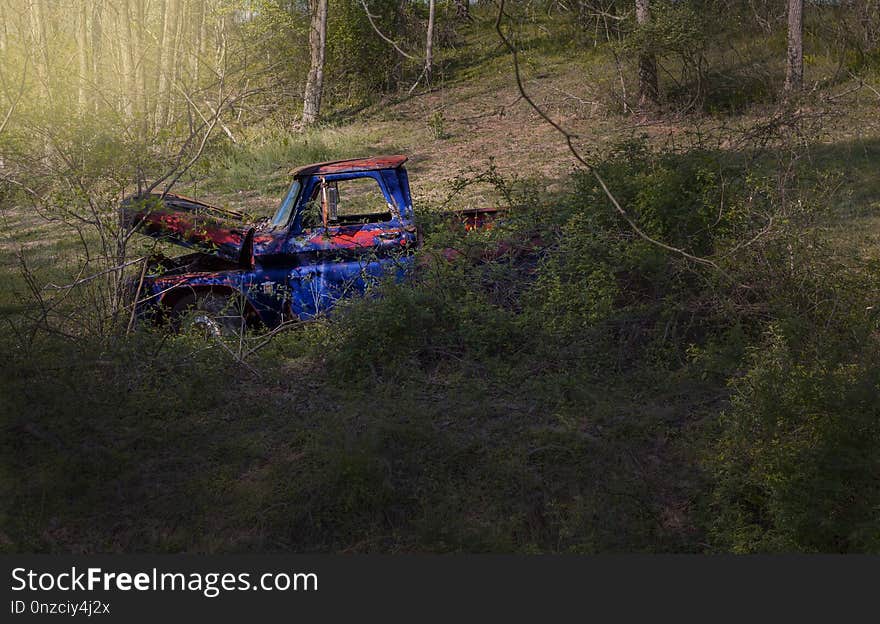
198	44
396	74
96	39
82	44
3	34
794	71
429	43
649	93
203	34
168	57
161	76
41	52
317	46
140	71
127	56
172	70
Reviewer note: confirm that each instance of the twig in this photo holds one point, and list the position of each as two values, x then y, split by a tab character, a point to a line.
862	83
418	80
267	338
220	121
137	295
232	353
75	283
757	236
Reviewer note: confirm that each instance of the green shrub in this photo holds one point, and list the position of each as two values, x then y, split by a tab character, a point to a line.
407	329
797	462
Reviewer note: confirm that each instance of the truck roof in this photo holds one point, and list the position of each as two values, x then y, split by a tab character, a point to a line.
352	164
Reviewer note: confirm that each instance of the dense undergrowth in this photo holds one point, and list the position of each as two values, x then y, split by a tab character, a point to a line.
588	391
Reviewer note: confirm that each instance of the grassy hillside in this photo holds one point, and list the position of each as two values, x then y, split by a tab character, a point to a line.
599	394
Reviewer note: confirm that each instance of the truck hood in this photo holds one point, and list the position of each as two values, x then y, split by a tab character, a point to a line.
191	223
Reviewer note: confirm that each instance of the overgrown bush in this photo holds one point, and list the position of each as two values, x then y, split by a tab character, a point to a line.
797	462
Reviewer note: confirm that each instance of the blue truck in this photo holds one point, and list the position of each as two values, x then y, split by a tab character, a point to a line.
340	225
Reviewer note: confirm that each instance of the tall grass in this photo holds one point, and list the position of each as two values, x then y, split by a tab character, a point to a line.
262	162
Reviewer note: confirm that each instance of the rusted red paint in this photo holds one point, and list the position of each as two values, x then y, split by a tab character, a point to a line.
193	230
374	163
478	218
352	237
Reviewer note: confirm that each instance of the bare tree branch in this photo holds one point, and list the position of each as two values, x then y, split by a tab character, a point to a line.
51	286
569	138
384	38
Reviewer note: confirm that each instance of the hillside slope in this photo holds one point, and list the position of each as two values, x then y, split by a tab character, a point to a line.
601	393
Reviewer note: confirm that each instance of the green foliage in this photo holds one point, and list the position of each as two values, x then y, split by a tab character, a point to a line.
412	328
576	286
601	278
673	197
279	32
799	451
674	28
359	63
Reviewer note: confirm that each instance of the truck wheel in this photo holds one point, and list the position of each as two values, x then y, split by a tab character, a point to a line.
208	315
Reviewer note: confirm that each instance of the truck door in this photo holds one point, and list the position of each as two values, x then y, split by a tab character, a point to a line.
351	234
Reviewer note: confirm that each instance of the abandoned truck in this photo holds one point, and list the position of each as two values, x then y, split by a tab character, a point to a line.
340	225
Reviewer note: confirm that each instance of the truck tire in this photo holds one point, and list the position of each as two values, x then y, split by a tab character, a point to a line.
208	315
